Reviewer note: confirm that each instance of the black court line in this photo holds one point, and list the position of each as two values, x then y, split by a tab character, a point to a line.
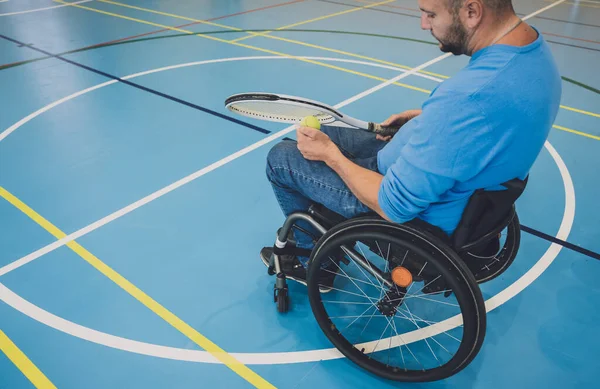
568	245
153	91
264	131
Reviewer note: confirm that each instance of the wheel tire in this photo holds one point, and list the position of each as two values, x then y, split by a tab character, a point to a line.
283	301
462	281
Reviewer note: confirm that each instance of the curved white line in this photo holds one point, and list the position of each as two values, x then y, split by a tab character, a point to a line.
161	192
44	9
554	249
68	327
184	65
48	107
40	111
85	333
150	349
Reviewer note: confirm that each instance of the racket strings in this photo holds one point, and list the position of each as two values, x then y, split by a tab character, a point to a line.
279	112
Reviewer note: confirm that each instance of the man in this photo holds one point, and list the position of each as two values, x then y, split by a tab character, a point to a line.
483	127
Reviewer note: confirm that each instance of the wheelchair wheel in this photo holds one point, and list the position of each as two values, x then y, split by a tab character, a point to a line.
489	266
403	305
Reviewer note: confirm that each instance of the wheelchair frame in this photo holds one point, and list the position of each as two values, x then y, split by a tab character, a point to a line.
324	221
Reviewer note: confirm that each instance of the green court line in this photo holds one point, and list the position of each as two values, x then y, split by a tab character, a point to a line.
590	88
11	65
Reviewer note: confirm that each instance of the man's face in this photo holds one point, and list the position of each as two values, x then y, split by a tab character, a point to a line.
445	26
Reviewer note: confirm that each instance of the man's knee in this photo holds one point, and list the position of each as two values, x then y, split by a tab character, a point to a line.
280	156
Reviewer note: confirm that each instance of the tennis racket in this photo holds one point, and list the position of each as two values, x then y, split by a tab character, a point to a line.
291	109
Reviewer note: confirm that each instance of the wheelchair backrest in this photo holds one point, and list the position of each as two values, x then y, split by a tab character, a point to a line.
487	213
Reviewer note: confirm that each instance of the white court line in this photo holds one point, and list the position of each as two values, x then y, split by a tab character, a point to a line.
182	354
313	355
42	9
48	107
123	211
543	9
40	111
161	192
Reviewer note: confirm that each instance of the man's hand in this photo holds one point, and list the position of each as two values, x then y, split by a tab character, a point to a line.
398	120
315	145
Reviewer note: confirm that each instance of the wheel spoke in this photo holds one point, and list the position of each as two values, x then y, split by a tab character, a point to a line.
352	318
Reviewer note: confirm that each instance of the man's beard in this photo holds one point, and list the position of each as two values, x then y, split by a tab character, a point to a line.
456	41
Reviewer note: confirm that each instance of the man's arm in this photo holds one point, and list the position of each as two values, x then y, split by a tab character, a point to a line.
364	183
409	186
398	120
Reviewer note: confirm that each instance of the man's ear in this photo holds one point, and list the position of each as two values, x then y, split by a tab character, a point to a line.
472	13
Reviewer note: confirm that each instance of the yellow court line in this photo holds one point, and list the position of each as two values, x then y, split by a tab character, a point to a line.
269	36
316	19
390	6
353	55
287	55
317	47
577	132
29	370
220	354
166	14
580	111
248	47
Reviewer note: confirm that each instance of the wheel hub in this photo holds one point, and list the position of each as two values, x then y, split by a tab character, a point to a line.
389	304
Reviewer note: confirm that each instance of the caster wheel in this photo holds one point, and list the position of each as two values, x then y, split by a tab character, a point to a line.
283	300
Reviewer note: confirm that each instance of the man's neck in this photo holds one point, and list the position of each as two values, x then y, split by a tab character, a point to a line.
506	31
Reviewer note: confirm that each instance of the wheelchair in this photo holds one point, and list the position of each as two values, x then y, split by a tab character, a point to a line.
403	300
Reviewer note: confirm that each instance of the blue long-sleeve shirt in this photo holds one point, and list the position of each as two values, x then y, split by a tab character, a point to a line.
478	129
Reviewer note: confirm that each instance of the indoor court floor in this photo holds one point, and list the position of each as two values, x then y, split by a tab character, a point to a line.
133	204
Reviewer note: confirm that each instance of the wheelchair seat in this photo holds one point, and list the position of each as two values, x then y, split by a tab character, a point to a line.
477	237
487	213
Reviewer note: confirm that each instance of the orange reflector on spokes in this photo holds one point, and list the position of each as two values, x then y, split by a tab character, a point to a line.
401	276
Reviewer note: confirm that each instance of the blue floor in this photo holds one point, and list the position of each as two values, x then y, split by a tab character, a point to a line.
139	172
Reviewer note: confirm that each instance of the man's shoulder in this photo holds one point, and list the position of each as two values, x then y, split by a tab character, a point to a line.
502	68
450	95
472	79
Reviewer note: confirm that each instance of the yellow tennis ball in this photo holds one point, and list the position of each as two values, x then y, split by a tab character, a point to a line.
311	121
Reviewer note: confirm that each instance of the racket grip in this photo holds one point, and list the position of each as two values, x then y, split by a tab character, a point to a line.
382	130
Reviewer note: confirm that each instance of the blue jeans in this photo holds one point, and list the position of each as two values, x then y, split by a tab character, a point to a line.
298	182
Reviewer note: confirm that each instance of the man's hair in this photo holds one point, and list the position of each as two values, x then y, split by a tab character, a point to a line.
494	5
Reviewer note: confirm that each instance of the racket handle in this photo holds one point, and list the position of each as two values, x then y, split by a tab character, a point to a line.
382	130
